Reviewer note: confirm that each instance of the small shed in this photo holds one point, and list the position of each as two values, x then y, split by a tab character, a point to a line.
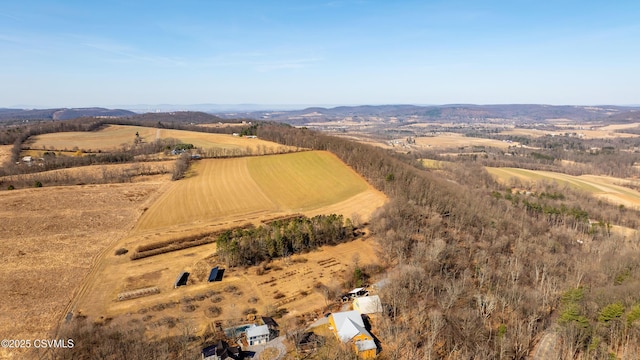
357	292
182	279
216	274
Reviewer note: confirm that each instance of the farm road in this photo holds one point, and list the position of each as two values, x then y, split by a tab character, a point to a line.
276	343
547	347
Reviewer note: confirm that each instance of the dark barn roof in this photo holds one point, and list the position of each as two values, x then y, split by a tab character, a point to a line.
267	320
182	279
216	274
213	274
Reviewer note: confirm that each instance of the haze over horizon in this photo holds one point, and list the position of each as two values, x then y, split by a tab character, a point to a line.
82	54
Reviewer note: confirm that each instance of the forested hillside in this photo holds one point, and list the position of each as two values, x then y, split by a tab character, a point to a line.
479	275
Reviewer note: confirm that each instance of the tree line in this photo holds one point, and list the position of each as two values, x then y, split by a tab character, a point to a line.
281	238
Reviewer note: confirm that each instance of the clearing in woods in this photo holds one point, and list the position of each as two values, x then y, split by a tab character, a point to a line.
606	187
112	137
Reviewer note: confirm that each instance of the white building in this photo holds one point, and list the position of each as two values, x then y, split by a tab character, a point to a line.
368	304
257	335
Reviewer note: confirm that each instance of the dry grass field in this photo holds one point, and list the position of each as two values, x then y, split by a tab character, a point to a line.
5	153
93	174
601	133
254	188
455	140
614	127
112	137
605	187
50	238
220	194
288	284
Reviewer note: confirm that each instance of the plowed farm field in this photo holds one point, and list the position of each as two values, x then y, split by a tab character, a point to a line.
257	187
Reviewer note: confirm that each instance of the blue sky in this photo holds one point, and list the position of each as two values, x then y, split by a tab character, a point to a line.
106	53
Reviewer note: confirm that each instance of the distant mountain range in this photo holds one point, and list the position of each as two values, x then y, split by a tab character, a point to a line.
59	113
401	113
454	112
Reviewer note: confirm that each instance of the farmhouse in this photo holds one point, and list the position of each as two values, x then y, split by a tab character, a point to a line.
257	335
367	305
349	328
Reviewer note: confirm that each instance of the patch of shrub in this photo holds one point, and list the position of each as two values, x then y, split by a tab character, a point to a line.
11	187
230	288
168	321
211	293
37	184
121	251
216	299
249	311
158	307
188	308
186	300
213	311
278	295
253	300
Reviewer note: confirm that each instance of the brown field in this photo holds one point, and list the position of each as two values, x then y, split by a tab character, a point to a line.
454	140
113	137
614	127
221	194
224	125
5	153
221	191
606	187
59	251
293	278
51	237
601	133
93	174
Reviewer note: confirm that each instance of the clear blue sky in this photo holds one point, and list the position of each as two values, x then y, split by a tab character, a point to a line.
111	52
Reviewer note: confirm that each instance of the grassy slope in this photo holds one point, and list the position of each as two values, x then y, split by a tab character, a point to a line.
305	180
113	137
604	186
222	188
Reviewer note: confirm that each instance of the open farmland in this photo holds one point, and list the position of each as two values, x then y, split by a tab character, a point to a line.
50	238
256	188
602	133
113	137
605	187
92	174
5	153
221	194
454	140
286	284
